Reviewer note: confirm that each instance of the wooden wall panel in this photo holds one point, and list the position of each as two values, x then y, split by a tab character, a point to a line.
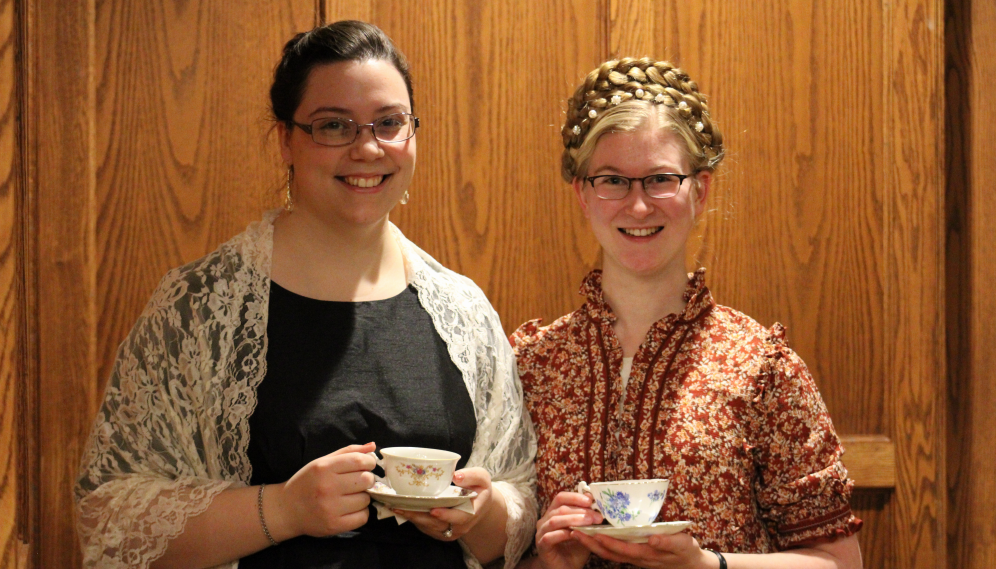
335	10
183	156
826	209
491	80
794	234
11	293
913	265
61	128
971	272
148	146
978	548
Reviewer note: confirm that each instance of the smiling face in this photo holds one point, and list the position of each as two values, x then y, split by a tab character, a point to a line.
640	235
361	182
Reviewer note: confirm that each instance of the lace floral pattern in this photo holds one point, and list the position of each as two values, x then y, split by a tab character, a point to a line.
172	432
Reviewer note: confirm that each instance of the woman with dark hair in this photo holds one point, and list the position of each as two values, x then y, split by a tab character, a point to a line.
235	425
652	379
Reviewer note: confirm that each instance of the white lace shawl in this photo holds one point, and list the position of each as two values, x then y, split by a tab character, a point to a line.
173	429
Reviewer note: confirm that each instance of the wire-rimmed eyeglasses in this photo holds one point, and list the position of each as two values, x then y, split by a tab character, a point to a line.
338	131
616	187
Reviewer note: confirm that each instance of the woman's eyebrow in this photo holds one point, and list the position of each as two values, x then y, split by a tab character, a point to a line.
347	112
335	110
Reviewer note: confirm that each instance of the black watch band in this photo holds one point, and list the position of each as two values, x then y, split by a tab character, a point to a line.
722	560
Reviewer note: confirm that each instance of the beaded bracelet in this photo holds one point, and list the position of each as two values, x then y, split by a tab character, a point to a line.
262	520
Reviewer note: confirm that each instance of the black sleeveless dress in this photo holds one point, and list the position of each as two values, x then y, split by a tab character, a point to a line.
341	373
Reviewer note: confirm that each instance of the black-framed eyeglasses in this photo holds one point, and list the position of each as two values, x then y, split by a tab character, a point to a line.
338	131
616	187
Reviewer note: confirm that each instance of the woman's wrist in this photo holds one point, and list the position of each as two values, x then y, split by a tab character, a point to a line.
277	521
487	538
716	558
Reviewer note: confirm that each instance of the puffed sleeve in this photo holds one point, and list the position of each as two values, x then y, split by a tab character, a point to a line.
802	488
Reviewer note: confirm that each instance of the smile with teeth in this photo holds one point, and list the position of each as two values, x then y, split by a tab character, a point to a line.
363	182
640	231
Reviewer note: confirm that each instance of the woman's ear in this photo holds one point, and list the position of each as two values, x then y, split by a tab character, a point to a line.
700	191
578	185
284	135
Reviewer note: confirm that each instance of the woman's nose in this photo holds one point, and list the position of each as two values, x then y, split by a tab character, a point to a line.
637	202
366	146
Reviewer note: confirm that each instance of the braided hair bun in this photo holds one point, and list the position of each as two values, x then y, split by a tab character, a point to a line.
619	84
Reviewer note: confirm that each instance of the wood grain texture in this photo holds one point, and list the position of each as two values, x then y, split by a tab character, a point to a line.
28	436
913	263
978	550
491	81
62	132
148	147
826	210
794	234
11	291
970	273
876	509
183	156
870	461
335	10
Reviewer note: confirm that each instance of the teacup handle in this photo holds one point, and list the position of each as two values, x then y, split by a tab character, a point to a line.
380	461
583	488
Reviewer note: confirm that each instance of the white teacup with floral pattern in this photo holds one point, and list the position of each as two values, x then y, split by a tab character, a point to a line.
627	503
415	471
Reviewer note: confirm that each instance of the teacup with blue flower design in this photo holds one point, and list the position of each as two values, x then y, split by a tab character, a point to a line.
627	503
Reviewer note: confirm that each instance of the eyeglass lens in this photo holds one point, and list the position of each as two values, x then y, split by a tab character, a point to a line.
617	187
336	131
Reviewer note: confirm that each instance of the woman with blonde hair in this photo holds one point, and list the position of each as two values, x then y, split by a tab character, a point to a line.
650	378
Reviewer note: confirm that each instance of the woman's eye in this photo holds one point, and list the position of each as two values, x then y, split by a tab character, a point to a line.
661	179
333	125
615	181
391	122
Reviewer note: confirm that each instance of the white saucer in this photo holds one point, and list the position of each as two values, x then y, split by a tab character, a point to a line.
452	496
635	534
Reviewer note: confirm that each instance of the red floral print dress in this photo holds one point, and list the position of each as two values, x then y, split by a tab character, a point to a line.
715	402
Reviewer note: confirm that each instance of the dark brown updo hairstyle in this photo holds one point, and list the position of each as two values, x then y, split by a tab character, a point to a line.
346	40
619	95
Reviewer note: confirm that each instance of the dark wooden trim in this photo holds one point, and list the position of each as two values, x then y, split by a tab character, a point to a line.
28	451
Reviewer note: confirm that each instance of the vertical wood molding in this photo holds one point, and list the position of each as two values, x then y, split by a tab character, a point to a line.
914	301
12	478
971	272
979	547
29	453
64	145
958	278
62	139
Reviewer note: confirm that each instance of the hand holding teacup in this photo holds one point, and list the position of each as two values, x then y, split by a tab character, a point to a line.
414	471
632	503
627	503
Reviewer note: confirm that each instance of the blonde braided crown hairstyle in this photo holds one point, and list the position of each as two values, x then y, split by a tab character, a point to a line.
617	97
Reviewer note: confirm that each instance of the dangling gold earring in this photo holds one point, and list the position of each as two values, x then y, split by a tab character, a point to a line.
404	198
288	201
